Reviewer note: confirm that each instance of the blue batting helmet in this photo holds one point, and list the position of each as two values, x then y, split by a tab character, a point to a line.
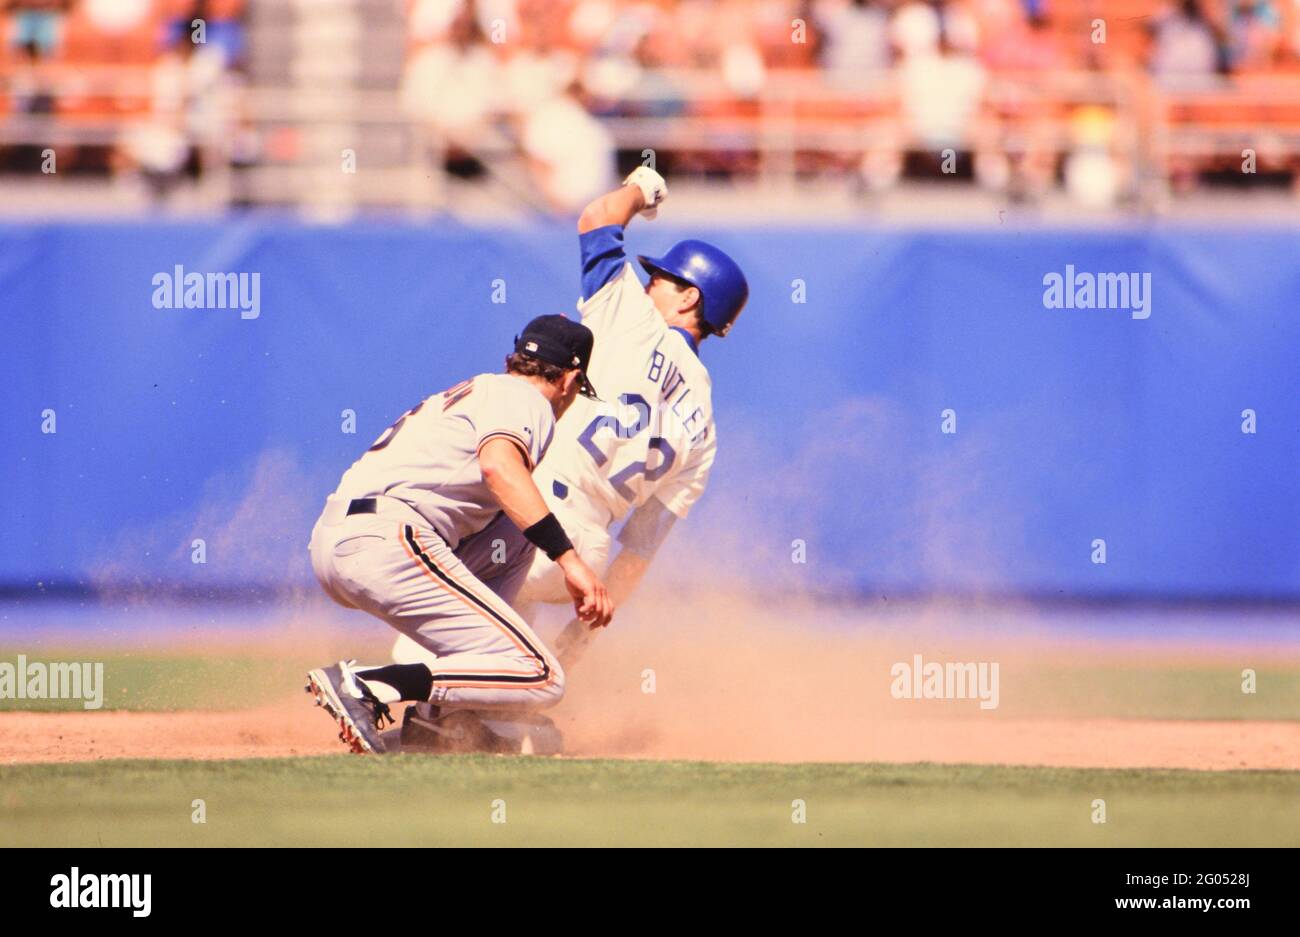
722	286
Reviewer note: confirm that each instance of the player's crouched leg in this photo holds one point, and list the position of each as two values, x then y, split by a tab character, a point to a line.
326	537
485	655
478	652
500	557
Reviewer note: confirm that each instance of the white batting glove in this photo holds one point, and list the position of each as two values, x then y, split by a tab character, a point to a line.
653	188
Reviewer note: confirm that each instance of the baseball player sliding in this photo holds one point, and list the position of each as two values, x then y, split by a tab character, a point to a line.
412	532
644	454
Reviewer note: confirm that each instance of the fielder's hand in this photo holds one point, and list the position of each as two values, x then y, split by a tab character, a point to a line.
653	188
590	598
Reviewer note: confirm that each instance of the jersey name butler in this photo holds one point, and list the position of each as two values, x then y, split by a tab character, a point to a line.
676	393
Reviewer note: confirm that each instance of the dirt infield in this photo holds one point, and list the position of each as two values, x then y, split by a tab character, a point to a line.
1074	743
718	679
298	729
69	737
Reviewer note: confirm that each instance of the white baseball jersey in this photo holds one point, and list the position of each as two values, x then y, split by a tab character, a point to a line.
652	433
429	457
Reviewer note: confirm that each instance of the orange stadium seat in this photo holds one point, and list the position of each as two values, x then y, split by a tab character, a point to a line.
85	44
104	69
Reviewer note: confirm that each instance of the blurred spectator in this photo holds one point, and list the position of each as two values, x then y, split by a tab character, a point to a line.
916	27
570	152
743	70
1094	175
188	114
548	89
220	29
1016	153
32	93
1187	45
484	68
855	35
32	87
116	17
941	83
1254	35
452	82
37	24
1020	43
535	73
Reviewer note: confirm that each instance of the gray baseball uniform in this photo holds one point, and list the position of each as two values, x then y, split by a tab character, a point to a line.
433	556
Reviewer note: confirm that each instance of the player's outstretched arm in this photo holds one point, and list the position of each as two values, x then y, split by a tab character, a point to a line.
641	193
508	479
617	207
625	574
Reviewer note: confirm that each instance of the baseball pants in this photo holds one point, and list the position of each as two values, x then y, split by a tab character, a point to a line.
452	604
539	580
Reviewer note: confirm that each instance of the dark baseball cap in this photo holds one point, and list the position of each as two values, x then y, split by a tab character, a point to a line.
560	341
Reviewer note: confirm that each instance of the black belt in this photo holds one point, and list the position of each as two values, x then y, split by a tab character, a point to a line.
363	506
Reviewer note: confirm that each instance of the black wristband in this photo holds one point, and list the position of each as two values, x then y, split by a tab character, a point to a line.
549	537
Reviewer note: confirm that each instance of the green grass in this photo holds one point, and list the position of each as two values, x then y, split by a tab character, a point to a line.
170	682
416	801
449	801
1147	692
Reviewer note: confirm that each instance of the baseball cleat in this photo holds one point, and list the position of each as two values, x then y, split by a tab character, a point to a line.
359	714
426	729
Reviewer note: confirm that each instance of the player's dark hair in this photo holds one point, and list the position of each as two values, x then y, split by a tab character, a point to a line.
528	366
682	286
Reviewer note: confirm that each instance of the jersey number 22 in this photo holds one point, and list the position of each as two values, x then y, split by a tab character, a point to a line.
622	430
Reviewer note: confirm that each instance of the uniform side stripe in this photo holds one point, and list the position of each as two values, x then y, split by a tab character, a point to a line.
408	533
502	610
416	551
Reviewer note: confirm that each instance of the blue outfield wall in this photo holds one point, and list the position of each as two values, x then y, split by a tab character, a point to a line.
1072	425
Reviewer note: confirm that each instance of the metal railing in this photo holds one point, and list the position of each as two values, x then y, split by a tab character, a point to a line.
795	113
